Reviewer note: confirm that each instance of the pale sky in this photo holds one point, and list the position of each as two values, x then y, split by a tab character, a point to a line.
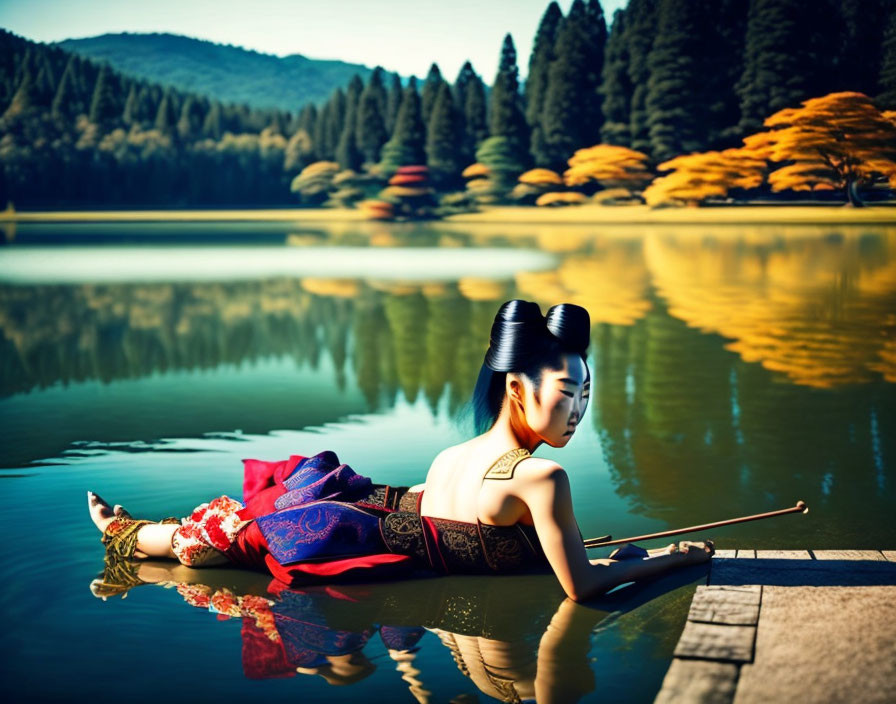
400	35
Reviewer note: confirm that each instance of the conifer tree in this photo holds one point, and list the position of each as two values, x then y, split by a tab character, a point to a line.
330	125
886	98
393	102
537	78
564	120
640	30
26	98
212	125
129	116
430	91
723	58
443	136
371	129
677	113
595	28
189	121
616	87
789	54
104	107
506	118
469	99
406	147
65	103
146	109
347	153
165	119
861	52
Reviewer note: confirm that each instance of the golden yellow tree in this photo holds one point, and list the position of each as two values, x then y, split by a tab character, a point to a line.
837	141
610	165
696	177
534	183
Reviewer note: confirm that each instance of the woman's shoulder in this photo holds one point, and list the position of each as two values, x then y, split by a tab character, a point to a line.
539	469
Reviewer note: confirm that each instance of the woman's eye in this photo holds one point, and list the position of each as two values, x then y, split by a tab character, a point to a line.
567	393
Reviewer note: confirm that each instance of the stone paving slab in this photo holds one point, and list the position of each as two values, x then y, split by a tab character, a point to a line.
716	641
825	630
699	682
732	605
874	555
831	644
857	571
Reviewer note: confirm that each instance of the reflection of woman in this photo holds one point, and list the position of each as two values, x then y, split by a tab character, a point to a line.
487	505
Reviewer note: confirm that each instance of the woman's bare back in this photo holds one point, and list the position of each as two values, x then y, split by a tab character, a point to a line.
455	488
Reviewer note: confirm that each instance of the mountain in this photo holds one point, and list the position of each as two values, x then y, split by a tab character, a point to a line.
220	71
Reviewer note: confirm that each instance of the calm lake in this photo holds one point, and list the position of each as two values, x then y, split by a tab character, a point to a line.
735	370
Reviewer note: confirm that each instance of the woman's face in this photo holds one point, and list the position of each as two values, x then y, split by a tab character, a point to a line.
553	409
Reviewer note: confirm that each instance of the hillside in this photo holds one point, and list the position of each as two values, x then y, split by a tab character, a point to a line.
226	73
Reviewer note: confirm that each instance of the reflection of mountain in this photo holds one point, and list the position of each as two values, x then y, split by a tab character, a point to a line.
819	310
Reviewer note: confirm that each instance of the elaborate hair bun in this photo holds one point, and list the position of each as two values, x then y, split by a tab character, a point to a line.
518	327
570	324
521	333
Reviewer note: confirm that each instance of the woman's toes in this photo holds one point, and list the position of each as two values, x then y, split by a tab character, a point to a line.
100	512
119	510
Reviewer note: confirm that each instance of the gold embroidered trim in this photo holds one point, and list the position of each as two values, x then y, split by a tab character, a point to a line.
506	463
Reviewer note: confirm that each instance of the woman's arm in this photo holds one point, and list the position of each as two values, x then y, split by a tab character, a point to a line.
546	492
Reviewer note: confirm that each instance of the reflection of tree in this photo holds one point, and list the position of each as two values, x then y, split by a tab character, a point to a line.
803	308
693	434
448	321
406	312
664	411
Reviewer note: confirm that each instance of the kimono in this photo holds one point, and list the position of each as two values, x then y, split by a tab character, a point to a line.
314	518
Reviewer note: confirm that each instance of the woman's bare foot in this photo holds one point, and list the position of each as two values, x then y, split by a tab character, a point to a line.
100	512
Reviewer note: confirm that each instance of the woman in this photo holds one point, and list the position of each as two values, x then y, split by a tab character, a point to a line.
487	505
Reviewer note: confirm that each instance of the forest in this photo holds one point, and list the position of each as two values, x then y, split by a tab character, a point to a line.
603	109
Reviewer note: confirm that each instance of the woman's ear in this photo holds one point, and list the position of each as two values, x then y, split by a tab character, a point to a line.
514	389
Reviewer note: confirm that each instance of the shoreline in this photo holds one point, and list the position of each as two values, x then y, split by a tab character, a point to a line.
500	215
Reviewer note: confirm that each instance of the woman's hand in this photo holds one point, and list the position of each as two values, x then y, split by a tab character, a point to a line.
696	553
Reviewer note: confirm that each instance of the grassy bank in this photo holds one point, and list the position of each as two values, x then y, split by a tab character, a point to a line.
579	215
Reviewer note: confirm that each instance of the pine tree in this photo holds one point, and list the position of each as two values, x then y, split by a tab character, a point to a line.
26	98
393	101
506	117
104	107
371	129
537	78
65	103
146	107
564	126
165	116
641	21
863	25
723	58
406	147
789	54
469	99
430	91
443	136
616	87
129	116
189	121
347	153
212	125
329	126
677	113
596	32
886	98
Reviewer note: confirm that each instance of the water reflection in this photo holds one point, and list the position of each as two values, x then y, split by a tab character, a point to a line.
752	365
516	638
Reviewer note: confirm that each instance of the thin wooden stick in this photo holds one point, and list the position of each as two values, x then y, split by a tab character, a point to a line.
604	541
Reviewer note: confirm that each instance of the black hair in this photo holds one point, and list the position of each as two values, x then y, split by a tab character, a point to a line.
524	341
